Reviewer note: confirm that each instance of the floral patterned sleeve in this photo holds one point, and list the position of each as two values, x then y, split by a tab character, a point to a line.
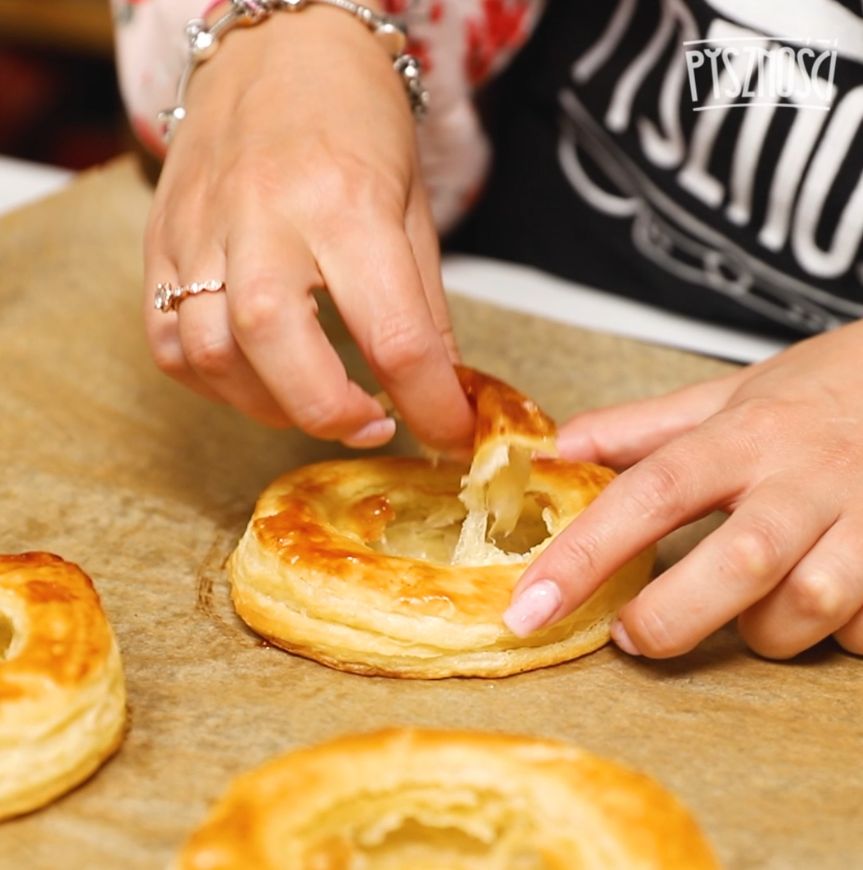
461	43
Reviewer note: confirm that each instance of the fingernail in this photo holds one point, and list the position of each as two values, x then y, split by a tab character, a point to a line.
533	608
620	636
372	434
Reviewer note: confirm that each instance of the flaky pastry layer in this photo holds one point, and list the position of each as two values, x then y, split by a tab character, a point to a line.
350	563
62	694
510	431
433	800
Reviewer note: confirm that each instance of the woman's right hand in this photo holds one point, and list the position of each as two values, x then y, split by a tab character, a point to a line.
296	168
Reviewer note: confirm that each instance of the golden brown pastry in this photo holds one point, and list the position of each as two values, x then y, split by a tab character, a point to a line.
404	567
510	431
429	800
62	696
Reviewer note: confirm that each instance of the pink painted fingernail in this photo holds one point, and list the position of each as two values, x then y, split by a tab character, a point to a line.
372	434
533	608
621	637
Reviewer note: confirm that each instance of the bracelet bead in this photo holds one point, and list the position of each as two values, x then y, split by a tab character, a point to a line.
203	43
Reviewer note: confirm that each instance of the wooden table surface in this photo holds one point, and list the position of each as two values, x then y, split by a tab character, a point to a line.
109	464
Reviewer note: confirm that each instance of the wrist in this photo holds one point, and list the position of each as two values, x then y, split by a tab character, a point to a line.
204	39
217	8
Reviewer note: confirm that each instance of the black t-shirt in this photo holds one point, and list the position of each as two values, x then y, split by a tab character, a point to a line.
704	156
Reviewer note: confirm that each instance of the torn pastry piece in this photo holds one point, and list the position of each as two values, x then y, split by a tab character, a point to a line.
62	695
385	566
510	431
437	800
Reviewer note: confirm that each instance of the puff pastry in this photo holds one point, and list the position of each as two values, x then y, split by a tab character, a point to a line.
62	695
428	800
403	567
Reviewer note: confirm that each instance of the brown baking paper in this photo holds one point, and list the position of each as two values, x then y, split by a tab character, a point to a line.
109	464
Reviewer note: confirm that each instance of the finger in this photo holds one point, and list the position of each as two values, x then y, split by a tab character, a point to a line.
273	314
204	331
374	281
621	435
162	328
669	488
216	358
820	595
850	636
728	572
205	334
425	244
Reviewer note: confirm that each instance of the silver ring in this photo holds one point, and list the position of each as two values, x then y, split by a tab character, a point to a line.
168	297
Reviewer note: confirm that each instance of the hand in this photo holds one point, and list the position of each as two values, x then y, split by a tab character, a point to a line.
779	446
295	168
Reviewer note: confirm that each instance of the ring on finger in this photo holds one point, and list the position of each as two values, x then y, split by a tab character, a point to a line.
168	296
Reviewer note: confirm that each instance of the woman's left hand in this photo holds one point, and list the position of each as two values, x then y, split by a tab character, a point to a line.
779	446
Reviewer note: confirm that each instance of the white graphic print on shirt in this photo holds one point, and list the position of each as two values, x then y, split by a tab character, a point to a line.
793	179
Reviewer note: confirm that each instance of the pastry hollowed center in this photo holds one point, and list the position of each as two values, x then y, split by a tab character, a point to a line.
434	533
426	829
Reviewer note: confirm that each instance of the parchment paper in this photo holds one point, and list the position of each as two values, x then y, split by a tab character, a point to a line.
109	464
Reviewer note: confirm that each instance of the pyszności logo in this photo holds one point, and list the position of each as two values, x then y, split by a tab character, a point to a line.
760	70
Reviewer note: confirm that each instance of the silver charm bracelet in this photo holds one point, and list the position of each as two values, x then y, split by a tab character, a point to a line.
203	40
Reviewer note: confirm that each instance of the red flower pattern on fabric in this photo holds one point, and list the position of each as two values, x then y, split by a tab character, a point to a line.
148	135
419	48
501	27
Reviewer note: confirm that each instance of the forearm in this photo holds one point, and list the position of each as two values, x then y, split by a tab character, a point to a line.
152	51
